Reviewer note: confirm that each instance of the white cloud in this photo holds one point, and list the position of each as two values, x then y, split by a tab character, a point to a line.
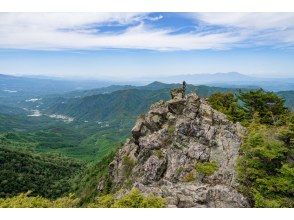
47	31
259	21
155	18
261	28
52	21
139	37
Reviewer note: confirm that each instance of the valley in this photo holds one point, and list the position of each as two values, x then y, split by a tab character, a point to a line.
84	124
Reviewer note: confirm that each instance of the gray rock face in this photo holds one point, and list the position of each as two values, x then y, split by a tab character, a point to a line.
168	144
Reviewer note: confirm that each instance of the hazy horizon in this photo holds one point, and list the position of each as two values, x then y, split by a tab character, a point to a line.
142	79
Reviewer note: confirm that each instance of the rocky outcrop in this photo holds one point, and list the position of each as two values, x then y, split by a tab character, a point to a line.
184	151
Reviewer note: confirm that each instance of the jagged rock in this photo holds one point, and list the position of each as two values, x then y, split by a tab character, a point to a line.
177	93
167	144
137	129
154	168
198	151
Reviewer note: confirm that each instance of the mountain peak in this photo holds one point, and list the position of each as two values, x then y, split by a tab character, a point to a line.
156	82
184	151
159	85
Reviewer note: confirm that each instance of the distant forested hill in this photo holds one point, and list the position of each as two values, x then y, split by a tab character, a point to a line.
289	98
117	105
8	110
202	89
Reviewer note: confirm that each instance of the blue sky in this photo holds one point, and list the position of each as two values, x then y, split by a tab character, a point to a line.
134	45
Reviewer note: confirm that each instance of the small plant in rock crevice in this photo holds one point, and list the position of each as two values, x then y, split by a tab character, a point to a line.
206	168
190	176
128	164
158	153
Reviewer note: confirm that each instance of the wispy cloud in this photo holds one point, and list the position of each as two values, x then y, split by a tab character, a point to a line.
272	29
78	31
248	20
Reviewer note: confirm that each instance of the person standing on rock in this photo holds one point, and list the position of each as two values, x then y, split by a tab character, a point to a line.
184	88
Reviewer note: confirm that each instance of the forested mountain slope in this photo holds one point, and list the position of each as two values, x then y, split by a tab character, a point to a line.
45	175
289	98
116	105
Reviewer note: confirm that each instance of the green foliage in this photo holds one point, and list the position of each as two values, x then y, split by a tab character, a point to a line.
23	200
105	201
85	184
44	175
152	201
265	170
286	134
158	153
269	106
171	129
206	168
128	164
134	199
227	103
128	183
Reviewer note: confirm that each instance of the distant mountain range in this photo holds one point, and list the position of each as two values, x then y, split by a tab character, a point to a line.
213	78
113	102
46	85
92	100
49	85
121	102
234	79
14	88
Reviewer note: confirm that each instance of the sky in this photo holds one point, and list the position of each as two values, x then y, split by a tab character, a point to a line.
136	45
